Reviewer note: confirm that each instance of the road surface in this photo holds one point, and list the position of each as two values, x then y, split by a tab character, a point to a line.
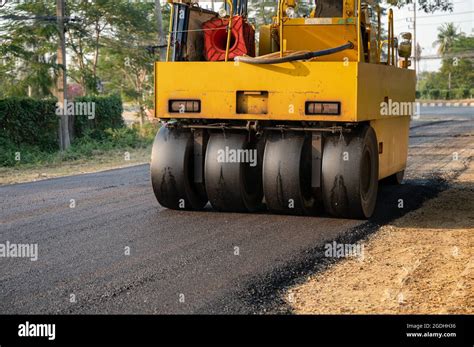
106	246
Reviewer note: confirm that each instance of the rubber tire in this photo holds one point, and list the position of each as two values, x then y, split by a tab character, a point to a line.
287	174
172	165
346	189
395	179
233	187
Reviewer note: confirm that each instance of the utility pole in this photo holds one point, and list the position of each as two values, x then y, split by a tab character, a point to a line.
414	36
64	138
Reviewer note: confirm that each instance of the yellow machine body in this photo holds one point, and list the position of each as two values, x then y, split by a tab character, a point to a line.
280	92
282	89
321	88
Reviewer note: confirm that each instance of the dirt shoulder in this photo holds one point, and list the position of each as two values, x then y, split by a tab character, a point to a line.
423	263
108	160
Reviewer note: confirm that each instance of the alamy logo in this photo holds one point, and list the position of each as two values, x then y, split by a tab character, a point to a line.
229	155
395	108
76	109
37	330
342	250
15	250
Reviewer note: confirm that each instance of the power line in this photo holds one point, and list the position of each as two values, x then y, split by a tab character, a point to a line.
438	23
436	15
41	18
436	57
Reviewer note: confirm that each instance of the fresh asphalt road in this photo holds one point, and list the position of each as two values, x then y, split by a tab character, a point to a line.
179	262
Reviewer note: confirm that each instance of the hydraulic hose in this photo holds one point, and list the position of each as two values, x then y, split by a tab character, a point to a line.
295	56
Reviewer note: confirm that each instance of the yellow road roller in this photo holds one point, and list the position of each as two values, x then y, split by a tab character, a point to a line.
303	116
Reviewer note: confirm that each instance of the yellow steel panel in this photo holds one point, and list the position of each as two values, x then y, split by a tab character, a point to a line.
320	37
288	85
393	133
252	102
360	87
265	42
378	83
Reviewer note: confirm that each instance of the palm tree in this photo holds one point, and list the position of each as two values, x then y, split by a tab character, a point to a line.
447	34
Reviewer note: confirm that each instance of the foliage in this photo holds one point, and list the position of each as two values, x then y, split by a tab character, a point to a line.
112	139
108	115
128	65
22	118
28	49
94	30
426	5
456	76
262	11
447	35
86	147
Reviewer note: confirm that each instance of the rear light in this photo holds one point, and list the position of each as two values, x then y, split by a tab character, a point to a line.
184	106
323	108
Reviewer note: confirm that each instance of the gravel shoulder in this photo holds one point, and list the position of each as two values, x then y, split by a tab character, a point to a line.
106	161
422	263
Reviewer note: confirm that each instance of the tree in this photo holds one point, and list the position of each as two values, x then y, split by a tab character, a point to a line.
447	34
461	69
96	20
428	6
128	64
29	43
456	76
262	11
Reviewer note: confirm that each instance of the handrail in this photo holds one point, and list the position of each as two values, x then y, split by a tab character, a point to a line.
359	28
280	23
229	30
391	40
379	32
170	30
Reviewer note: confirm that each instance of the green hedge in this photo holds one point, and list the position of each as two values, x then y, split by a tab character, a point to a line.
434	93
25	121
30	127
108	115
444	94
33	122
461	93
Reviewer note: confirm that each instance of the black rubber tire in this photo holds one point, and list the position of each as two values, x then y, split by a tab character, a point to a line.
287	174
172	176
350	171
233	186
394	180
